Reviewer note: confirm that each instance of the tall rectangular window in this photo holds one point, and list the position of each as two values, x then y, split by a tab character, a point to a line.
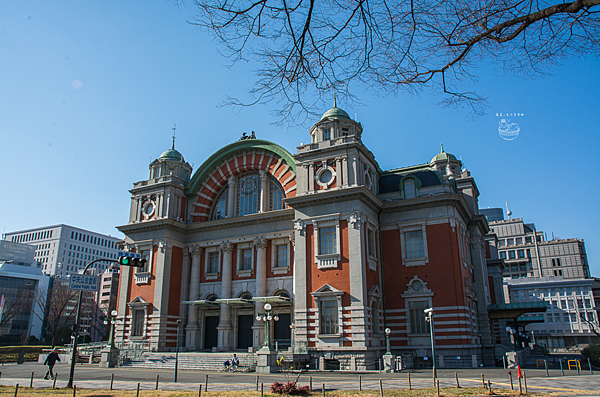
327	134
248	192
329	317
409	189
414	244
282	256
246	259
418	325
371	241
213	262
137	326
327	240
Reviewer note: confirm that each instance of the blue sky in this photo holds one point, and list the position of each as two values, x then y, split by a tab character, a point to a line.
89	92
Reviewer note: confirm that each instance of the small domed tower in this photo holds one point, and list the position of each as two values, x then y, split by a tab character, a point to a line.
162	195
446	164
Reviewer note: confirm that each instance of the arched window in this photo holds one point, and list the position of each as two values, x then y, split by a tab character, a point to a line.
276	195
409	189
220	207
248	194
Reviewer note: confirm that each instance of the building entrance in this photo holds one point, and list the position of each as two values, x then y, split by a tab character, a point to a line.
245	331
210	331
282	334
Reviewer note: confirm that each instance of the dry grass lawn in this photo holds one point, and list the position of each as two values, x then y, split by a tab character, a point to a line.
446	392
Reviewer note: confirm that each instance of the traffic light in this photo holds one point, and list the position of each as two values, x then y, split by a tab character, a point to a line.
135	262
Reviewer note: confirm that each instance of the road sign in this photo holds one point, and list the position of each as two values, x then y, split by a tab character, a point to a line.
129	255
84	282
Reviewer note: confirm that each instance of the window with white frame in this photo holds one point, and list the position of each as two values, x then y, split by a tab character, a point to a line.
328	302
280	255
413	242
245	259
213	263
327	241
248	194
418	325
137	322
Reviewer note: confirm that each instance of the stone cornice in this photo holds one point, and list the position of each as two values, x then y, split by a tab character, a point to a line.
336	195
454	200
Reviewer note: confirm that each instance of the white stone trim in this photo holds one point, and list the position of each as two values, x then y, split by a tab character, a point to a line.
326	260
208	251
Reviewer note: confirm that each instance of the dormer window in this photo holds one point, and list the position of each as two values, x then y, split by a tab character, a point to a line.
409	189
326	134
345	132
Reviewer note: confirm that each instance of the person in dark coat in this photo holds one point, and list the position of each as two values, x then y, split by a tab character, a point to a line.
50	361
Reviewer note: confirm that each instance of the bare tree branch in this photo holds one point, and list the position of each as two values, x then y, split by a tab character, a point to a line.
307	50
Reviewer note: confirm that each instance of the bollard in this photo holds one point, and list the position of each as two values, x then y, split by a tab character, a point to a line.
520	387
409	384
31	381
562	371
359	382
380	388
262	389
525	382
483	381
74	390
323	389
112	378
511	382
504	362
137	393
489	387
438	387
457	384
256	382
16	389
54	383
578	368
206	383
590	365
546	365
200	390
310	388
0	374
156	383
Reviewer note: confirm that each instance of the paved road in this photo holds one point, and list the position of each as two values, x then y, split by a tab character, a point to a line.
90	376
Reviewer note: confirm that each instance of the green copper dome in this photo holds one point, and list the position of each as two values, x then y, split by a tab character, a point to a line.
171	154
335	112
443	156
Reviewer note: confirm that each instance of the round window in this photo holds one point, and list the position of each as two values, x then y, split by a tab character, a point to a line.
149	208
417	286
326	176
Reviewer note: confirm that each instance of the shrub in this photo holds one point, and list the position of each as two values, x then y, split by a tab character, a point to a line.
288	388
593	353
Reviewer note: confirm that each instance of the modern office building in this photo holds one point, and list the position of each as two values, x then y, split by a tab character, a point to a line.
61	250
339	248
571	319
23	289
528	254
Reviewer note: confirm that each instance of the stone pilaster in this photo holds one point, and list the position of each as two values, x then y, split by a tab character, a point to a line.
192	329
224	328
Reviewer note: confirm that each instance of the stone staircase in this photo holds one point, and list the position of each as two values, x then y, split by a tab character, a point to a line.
191	361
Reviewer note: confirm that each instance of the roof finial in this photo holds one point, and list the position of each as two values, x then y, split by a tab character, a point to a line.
442	145
334	101
508	212
174	128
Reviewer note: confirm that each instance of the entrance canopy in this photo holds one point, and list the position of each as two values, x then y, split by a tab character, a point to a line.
274	300
239	302
203	304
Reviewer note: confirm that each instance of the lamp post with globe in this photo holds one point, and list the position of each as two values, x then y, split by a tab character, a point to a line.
388	358
110	354
267	358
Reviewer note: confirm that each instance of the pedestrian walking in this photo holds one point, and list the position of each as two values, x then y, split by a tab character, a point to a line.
52	358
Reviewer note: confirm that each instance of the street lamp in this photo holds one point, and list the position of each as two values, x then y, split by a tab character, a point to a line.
112	318
429	318
387	341
266	317
177	350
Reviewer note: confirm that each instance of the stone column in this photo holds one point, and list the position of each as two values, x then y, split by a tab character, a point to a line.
185	290
264	191
192	329
224	328
231	198
311	178
162	281
344	171
261	288
338	171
